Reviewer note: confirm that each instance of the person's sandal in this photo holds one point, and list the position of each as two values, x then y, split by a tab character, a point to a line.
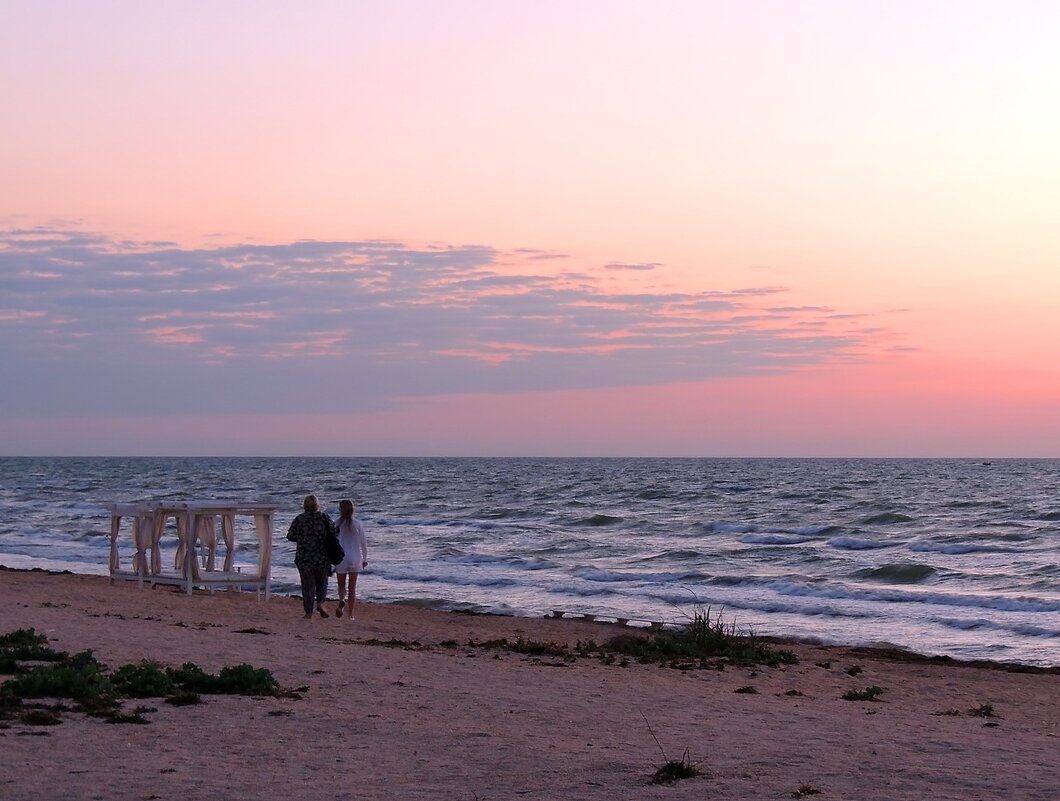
321	612
342	605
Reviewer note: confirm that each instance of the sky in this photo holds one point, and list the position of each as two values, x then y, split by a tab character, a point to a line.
798	228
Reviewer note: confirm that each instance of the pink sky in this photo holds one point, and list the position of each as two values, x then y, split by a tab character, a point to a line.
618	228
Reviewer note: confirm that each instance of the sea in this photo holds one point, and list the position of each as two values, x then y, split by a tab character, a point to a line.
952	557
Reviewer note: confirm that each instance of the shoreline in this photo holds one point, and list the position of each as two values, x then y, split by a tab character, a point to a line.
882	652
410	703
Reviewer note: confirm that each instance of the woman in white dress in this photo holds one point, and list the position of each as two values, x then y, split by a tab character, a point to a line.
355	546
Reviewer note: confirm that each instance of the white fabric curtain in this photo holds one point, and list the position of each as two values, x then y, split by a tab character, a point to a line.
143	528
115	527
182	544
208	537
156	542
263	525
228	532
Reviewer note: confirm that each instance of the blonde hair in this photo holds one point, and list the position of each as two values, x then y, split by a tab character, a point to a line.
345	511
311	504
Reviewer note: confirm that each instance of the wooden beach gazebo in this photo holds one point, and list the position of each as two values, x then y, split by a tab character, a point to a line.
200	527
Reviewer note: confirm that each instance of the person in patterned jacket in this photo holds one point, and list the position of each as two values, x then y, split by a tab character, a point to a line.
309	531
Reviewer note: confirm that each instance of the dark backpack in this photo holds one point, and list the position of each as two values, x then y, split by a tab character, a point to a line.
332	547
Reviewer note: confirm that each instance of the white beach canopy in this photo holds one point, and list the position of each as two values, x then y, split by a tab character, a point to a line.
196	525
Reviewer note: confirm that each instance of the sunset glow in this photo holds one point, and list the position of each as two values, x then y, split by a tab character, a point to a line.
530	228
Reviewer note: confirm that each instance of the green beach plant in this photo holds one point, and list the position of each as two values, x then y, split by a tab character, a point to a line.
144	680
79	677
233	680
99	692
28	646
705	636
872	693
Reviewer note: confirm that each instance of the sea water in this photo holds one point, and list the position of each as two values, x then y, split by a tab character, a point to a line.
954	557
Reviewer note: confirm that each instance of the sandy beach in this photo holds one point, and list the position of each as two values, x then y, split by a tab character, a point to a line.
398	705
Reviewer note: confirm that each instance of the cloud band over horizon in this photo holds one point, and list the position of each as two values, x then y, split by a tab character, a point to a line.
95	325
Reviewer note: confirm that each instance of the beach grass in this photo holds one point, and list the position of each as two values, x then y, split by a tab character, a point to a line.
706	638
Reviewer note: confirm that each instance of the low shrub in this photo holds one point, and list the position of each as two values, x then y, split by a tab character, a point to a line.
232	680
872	693
80	677
98	692
27	645
144	680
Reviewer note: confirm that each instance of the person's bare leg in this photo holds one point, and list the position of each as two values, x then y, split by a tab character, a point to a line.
342	592
352	596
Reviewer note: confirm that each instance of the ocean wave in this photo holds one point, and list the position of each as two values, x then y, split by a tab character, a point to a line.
887	518
429	577
728	527
899	573
737	581
95	537
674	555
449	549
570	547
1006	603
724	606
598	574
857	544
979	624
598	520
517	562
652	494
774	539
415	521
594	590
1011	536
1051	516
956	548
815	531
994	504
503	513
481	525
86	509
442	605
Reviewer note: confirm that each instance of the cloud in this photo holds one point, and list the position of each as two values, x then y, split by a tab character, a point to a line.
638	266
92	324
